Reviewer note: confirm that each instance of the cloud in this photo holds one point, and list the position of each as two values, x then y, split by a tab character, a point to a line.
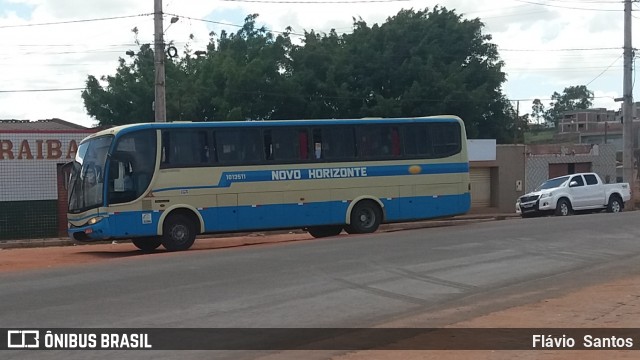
61	56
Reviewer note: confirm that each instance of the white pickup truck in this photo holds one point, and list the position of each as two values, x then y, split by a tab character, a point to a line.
564	195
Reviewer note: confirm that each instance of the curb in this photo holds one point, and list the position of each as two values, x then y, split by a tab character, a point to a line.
461	220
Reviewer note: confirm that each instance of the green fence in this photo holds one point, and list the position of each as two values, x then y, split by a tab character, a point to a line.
28	219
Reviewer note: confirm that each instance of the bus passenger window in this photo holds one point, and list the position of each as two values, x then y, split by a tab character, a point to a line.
317	144
377	142
445	139
303	144
285	144
395	142
239	146
338	143
268	145
185	148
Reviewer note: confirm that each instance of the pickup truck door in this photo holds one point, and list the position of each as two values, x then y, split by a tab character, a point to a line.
579	192
596	192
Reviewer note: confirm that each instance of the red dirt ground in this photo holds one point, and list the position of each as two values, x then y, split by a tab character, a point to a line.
608	305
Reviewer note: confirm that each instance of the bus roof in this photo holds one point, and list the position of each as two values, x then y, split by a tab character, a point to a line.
251	123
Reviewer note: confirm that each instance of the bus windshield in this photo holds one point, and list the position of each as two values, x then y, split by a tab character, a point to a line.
86	184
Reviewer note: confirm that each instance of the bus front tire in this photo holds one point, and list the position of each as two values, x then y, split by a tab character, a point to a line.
366	216
178	233
325	231
147	243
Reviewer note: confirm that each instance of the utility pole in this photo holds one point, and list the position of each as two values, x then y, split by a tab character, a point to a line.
517	123
627	112
160	107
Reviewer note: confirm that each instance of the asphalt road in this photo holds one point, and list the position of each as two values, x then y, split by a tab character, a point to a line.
346	281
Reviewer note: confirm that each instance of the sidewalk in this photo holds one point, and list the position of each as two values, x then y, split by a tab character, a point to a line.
475	215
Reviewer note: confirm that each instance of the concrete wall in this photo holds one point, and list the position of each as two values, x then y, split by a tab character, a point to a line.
30	205
601	157
507	176
509	173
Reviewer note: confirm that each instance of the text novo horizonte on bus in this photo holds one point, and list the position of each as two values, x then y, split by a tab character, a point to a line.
330	173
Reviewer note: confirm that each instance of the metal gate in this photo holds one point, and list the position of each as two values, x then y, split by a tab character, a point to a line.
480	187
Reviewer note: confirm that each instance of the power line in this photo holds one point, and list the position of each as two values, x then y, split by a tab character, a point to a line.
228	24
40	90
595	97
568	49
588	1
605	70
565	7
73	21
315	1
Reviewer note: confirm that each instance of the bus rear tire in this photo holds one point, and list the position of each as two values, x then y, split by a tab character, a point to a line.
147	244
178	232
325	231
366	217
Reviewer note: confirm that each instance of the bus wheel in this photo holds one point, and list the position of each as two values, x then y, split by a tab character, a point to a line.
366	216
179	233
147	243
324	231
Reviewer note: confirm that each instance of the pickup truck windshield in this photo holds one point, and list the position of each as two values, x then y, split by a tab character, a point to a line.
553	183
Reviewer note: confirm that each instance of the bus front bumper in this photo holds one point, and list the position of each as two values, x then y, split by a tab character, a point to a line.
88	233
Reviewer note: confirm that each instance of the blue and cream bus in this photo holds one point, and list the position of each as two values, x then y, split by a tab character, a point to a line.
165	183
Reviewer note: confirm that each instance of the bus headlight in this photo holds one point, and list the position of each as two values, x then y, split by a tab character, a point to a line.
93	220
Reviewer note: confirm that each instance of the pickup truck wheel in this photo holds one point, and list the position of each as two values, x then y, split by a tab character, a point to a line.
563	208
615	204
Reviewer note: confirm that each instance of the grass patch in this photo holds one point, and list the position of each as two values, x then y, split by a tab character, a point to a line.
539	136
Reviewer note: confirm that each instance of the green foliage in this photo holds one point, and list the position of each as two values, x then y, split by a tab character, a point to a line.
572	98
539	136
417	63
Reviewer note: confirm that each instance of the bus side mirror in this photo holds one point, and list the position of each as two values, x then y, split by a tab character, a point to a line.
66	173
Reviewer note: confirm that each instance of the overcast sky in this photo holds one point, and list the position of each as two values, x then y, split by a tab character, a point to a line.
547	45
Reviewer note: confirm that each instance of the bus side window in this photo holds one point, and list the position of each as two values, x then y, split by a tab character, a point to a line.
395	142
417	141
268	145
445	139
239	146
317	144
166	146
182	148
378	142
303	144
338	143
286	145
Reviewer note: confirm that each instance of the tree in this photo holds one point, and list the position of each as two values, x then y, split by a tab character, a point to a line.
417	63
538	111
572	98
128	95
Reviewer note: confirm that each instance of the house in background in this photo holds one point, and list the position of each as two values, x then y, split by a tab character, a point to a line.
599	126
502	173
33	199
